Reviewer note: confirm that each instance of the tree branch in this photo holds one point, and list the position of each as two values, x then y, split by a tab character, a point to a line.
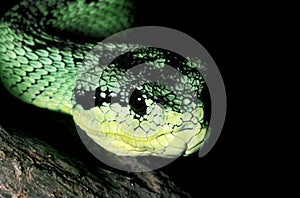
31	168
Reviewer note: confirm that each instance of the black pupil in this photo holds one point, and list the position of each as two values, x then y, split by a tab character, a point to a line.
137	103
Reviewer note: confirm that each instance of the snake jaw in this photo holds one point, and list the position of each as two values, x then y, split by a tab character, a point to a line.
118	132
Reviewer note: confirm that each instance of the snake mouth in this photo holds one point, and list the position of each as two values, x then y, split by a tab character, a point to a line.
123	135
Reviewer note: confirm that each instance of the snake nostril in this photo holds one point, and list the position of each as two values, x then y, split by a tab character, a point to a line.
137	103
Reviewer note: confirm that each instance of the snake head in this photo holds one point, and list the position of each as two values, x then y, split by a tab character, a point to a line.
146	103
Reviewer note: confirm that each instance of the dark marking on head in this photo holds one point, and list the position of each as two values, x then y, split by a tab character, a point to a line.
99	100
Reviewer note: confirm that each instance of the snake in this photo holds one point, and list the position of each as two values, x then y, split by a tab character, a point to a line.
45	61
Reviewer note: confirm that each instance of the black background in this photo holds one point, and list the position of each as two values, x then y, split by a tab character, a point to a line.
227	32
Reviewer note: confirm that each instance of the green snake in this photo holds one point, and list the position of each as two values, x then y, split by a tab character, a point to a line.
41	56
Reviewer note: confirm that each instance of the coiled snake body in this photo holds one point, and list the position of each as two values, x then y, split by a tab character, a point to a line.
40	62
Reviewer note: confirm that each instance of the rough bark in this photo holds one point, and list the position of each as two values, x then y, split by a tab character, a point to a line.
31	168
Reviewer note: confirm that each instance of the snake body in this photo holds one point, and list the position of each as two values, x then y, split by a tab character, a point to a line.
42	53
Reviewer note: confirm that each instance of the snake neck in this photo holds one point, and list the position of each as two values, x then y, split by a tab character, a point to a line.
41	46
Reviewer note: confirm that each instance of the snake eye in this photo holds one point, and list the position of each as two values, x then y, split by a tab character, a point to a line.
137	103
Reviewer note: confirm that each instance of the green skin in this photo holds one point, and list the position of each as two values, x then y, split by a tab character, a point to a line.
41	66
